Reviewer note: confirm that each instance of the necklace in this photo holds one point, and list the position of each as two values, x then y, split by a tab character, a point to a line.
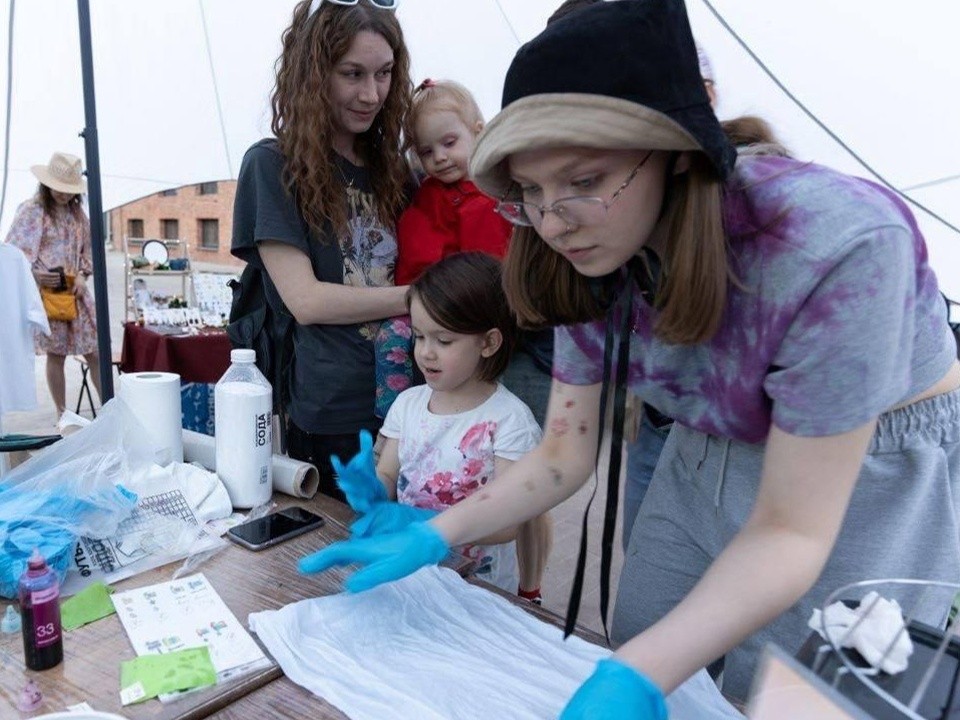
348	183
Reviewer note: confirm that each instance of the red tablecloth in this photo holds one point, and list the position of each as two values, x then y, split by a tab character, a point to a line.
202	358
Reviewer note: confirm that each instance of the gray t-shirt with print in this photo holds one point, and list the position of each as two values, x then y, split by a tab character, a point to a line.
332	384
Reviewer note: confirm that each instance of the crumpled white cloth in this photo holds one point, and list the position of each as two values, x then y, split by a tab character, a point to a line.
203	490
873	635
434	647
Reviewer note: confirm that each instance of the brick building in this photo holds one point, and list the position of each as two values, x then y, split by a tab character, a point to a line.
201	215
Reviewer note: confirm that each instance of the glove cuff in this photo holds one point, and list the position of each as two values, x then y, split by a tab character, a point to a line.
643	687
434	544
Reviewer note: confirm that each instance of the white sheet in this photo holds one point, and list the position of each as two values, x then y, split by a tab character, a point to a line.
21	312
434	647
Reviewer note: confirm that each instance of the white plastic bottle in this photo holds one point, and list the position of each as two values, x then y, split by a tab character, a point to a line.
244	419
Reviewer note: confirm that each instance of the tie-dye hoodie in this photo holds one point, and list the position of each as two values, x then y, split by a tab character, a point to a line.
837	317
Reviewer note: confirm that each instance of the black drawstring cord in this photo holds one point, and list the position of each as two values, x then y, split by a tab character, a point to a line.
640	271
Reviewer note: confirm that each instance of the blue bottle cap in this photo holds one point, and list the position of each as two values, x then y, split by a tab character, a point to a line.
11	621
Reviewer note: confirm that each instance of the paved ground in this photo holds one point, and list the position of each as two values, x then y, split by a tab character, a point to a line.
567	517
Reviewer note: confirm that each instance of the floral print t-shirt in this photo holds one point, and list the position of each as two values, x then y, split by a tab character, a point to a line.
446	458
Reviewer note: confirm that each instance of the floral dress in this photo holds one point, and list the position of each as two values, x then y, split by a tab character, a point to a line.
59	240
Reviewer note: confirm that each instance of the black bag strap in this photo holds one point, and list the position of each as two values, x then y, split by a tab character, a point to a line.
644	272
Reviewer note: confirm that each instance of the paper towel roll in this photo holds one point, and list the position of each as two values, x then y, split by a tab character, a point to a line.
154	397
291	477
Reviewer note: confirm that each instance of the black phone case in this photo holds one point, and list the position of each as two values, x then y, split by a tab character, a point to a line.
296	532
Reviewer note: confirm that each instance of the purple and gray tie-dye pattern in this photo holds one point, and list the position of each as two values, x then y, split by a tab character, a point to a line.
837	317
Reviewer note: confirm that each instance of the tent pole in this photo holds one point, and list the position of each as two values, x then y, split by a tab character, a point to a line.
92	146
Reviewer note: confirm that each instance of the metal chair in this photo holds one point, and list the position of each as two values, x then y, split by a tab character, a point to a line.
85	388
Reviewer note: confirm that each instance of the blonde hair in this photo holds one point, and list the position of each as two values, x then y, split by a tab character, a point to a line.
544	289
443	95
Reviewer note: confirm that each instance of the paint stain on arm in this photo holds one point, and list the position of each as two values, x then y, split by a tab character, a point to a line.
559	427
556	476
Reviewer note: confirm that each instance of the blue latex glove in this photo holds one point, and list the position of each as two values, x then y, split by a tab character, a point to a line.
615	691
387	557
389	517
358	478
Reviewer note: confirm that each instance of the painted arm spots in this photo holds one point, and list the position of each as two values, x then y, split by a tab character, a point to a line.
555	476
559	427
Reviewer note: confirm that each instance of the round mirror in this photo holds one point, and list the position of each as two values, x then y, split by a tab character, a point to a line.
155	251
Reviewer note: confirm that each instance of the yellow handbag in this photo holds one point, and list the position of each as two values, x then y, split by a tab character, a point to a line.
60	304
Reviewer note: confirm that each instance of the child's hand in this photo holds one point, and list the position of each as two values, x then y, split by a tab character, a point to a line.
388	517
358	478
387	557
616	690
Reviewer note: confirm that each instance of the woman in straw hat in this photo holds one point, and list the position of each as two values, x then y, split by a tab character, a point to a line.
794	331
53	231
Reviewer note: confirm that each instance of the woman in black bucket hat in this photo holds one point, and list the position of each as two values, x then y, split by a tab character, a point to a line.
783	313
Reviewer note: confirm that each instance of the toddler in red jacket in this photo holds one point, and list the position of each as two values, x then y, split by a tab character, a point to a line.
448	215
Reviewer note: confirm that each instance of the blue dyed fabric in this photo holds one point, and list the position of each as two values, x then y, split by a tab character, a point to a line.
197	406
48	520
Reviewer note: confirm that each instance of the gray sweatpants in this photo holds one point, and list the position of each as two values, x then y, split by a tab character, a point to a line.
902	522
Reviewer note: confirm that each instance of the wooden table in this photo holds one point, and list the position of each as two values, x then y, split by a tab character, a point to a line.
248	582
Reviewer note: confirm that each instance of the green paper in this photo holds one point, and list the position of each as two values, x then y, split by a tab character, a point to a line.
87	606
147	676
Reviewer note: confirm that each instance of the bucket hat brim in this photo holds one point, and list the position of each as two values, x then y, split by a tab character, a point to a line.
43	174
569	120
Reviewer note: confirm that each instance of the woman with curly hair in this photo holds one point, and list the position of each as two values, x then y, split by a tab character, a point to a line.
316	208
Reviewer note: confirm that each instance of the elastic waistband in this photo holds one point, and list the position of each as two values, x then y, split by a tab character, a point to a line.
935	420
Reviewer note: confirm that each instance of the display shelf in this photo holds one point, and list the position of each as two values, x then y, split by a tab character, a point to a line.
176	249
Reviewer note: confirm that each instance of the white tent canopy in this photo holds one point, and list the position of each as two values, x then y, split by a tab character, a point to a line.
880	74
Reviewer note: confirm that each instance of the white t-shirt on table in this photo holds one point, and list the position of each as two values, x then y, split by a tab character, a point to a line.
446	458
21	311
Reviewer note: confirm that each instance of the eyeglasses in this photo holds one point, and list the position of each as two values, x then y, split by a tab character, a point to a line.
575	210
382	4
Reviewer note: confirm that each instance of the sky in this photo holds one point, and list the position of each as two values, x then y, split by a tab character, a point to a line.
880	74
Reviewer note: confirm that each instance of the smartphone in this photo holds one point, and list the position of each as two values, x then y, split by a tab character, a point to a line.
274	528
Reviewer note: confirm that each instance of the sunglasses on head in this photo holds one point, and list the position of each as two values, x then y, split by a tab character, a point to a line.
382	4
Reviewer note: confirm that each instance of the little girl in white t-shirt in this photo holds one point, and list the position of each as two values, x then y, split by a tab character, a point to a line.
447	439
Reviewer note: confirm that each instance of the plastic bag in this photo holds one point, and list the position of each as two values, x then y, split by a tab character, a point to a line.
168	524
73	488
